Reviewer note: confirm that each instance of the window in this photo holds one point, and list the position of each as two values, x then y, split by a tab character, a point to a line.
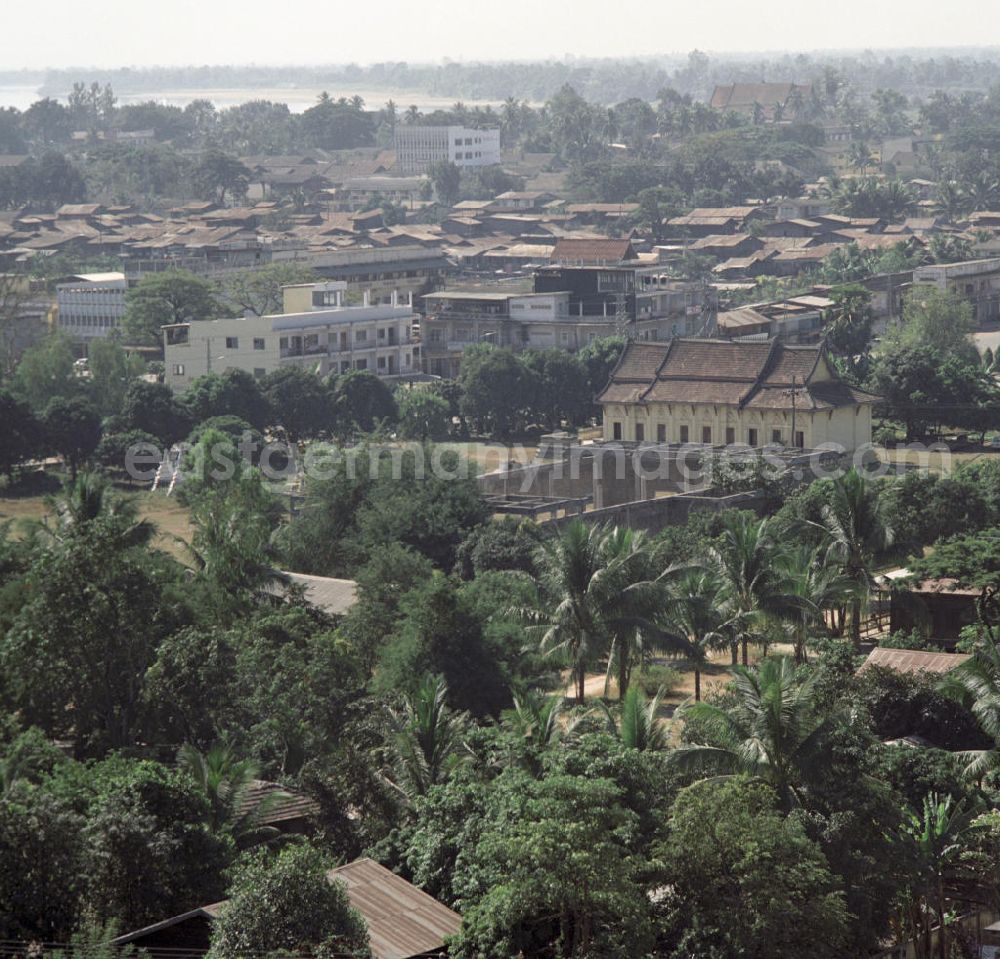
730	436
258	342
775	436
661	433
381	334
178	369
381	362
640	432
684	434
706	434
616	431
345	366
361	364
360	336
752	437
259	372
232	342
800	439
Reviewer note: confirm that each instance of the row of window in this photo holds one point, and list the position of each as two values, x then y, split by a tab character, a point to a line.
102	321
753	436
383	364
385	336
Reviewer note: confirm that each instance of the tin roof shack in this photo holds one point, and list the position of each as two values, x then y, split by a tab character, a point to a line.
938	608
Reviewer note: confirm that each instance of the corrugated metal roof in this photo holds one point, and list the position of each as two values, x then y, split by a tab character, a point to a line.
403	921
281	803
333	596
913	660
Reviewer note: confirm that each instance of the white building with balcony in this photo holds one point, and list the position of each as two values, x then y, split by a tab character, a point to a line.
91	305
328	338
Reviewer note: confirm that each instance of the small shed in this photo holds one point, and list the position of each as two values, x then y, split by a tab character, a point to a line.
938	608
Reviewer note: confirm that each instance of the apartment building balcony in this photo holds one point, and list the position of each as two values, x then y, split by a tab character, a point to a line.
319	349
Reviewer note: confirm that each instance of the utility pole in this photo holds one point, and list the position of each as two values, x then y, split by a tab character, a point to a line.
793	391
793	411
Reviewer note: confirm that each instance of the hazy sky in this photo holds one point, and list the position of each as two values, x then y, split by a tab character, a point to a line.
63	33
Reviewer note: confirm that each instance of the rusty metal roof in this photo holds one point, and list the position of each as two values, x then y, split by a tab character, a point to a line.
280	804
913	660
403	921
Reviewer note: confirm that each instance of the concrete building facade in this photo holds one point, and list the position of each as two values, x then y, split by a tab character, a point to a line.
419	147
400	273
91	305
977	281
328	337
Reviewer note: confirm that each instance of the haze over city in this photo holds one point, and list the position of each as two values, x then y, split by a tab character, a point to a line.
126	33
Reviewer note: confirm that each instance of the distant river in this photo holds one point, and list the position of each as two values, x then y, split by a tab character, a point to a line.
297	98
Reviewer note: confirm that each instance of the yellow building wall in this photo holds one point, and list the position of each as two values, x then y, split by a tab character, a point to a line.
848	427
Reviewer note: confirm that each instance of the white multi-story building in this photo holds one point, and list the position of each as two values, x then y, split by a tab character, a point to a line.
328	338
91	305
418	147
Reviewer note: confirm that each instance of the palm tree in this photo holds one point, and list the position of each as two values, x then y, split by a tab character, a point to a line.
573	577
536	720
535	717
232	541
743	558
818	584
510	118
857	522
637	600
772	732
953	201
698	610
596	599
427	737
226	781
412	114
976	685
638	725
860	156
90	498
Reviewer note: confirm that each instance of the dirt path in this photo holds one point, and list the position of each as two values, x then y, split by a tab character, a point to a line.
714	674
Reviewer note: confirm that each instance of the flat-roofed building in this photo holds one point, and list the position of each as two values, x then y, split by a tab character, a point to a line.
400	272
419	147
976	281
328	337
91	305
456	319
